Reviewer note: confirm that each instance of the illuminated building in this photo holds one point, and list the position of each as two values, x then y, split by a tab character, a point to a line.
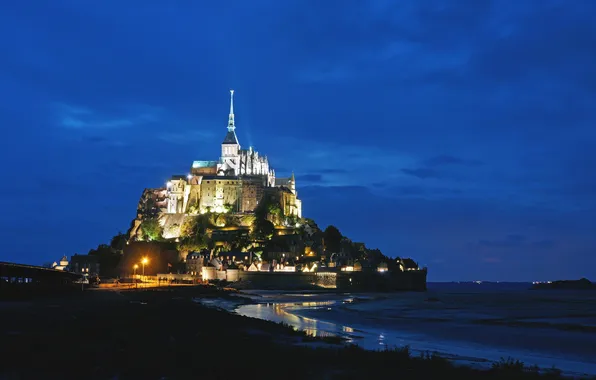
235	183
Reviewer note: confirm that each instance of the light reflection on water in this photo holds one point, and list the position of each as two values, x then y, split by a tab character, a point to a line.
370	332
284	312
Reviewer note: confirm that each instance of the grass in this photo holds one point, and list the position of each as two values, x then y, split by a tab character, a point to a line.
162	334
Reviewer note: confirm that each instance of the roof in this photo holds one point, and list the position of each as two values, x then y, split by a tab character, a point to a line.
230	138
204	164
281	181
220	177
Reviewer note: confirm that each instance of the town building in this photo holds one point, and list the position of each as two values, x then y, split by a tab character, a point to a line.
194	263
62	264
84	264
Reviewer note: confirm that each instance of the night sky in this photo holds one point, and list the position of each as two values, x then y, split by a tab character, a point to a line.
461	134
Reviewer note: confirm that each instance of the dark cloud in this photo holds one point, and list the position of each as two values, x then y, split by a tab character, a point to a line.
544	244
422	173
309	178
423	190
444	160
332	171
517	241
509	242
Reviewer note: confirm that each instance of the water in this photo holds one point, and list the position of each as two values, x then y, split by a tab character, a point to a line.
469	323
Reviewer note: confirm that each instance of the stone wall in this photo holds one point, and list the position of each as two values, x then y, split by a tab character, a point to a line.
171	224
278	280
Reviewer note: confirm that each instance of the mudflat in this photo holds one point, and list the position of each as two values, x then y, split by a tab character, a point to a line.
162	333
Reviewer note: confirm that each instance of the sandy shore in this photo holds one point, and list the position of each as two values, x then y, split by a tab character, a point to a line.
473	328
163	334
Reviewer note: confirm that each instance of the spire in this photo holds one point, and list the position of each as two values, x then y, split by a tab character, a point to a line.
231	126
292	178
231	135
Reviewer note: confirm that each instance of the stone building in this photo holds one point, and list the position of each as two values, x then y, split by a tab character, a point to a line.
194	263
235	183
60	265
84	264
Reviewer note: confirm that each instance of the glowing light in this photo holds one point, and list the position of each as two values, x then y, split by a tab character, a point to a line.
136	266
144	261
169	184
189	176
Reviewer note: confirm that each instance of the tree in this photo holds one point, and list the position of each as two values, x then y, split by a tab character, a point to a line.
118	242
332	238
108	259
194	243
262	229
151	229
228	207
196	225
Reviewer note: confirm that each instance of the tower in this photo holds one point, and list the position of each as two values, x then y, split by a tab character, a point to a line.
292	184
230	147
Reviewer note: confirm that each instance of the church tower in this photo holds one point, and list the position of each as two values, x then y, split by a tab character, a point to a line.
230	147
292	184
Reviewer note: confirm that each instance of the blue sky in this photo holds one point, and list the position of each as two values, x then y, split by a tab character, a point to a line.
460	133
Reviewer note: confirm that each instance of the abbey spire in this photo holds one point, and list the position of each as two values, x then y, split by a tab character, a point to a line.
231	125
231	135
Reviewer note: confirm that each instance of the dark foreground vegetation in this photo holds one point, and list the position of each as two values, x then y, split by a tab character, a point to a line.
162	334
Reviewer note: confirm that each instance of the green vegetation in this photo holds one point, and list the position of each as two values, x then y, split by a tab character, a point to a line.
262	230
151	229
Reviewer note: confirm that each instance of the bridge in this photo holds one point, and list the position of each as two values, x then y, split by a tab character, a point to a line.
19	281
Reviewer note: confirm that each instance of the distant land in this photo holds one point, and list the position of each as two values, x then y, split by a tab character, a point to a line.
581	284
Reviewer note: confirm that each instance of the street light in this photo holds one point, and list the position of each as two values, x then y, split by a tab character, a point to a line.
144	262
135	273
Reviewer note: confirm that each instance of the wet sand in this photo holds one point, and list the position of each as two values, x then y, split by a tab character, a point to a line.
166	334
544	328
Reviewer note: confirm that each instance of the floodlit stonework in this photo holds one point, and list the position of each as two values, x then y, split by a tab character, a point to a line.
235	183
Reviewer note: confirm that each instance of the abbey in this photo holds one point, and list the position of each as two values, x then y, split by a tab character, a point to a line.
235	183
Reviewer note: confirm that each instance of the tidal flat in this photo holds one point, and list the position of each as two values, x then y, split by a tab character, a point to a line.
470	324
165	334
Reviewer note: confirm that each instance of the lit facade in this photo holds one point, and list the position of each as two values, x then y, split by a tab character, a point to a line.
234	183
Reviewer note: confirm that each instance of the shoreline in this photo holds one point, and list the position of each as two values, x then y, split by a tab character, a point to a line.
333	316
163	333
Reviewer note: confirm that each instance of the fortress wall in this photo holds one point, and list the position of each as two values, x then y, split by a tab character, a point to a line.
278	280
171	224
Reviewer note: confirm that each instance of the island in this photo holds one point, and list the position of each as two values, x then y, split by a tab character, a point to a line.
581	284
234	220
